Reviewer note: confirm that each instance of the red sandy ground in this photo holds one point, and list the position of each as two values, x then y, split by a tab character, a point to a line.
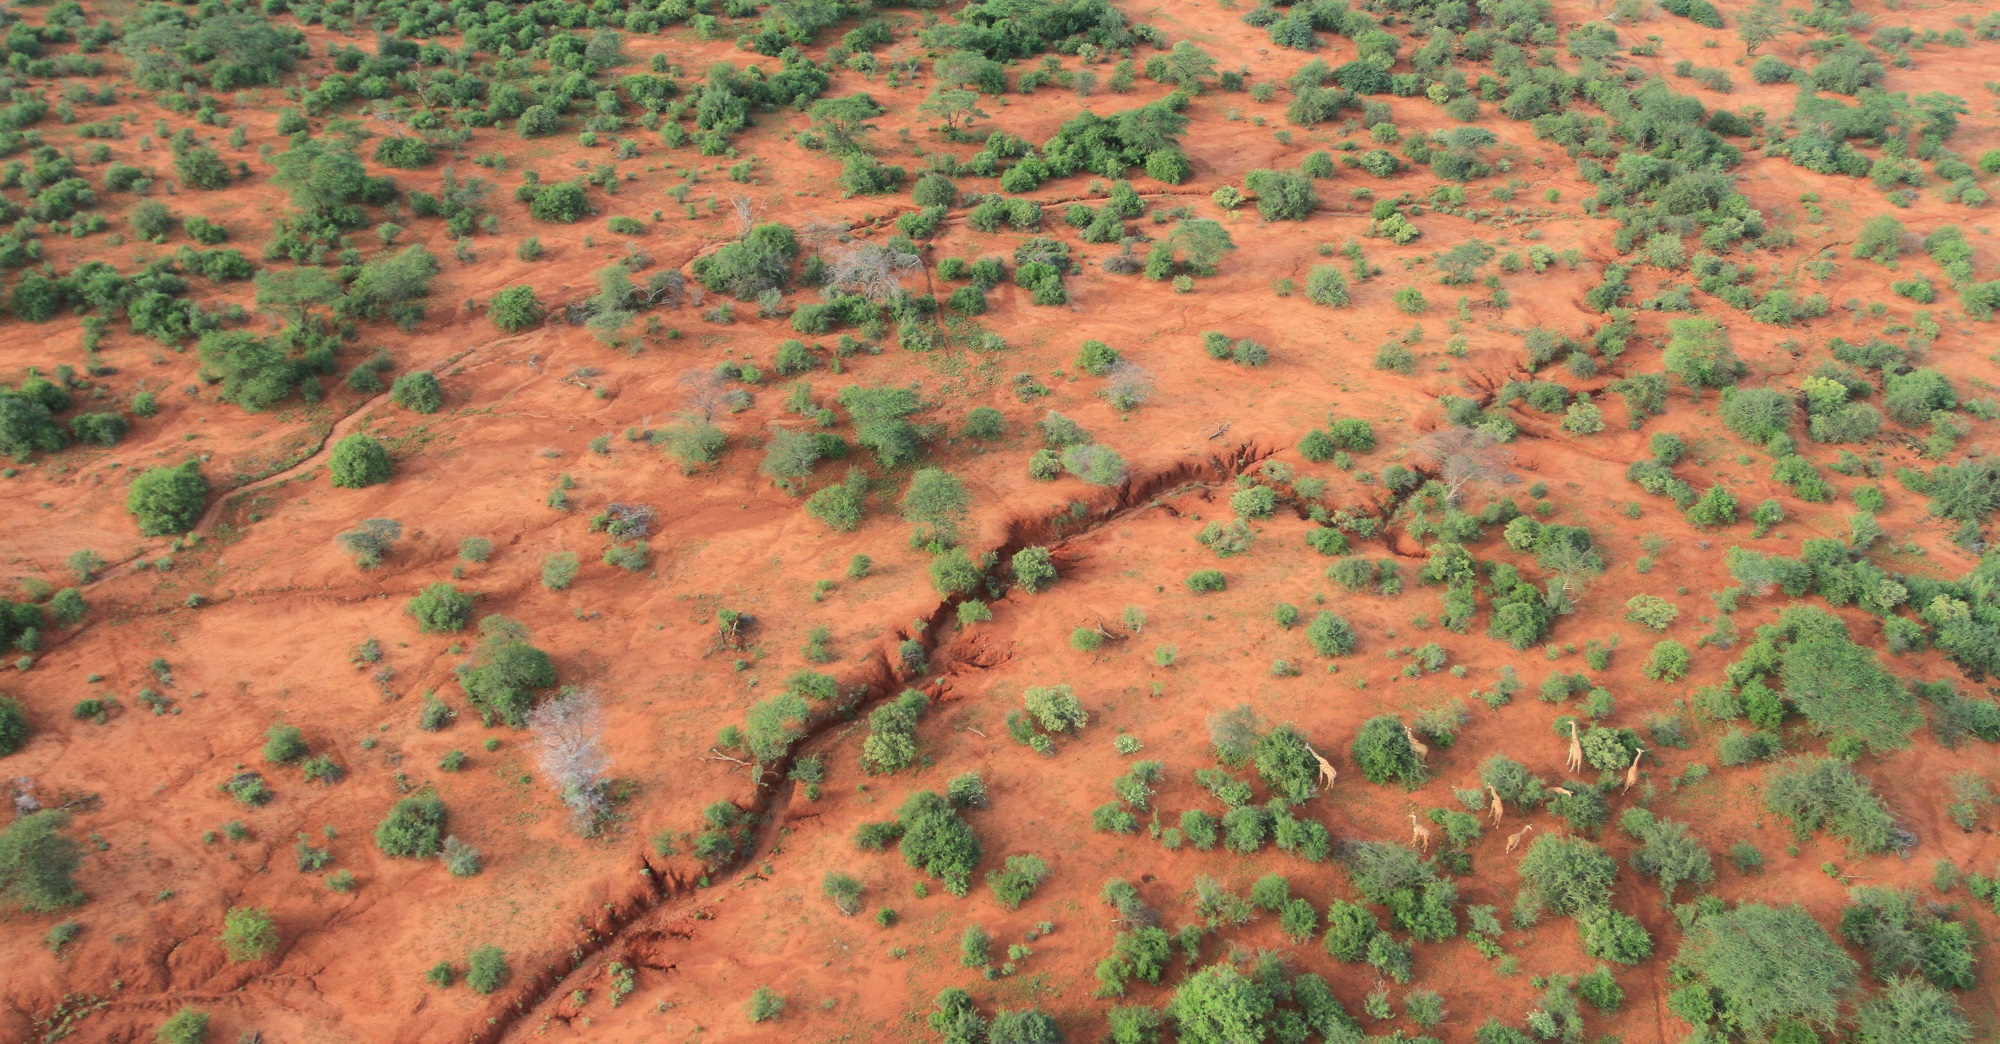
284	606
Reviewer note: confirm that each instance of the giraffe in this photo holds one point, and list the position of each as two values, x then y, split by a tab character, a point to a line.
1420	835
1498	810
1327	773
1632	773
1416	744
1575	762
1514	839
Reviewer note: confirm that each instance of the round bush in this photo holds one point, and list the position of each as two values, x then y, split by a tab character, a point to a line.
187	1026
441	609
515	309
418	392
168	500
360	461
1383	752
13	726
414	828
564	202
1330	635
1034	568
984	424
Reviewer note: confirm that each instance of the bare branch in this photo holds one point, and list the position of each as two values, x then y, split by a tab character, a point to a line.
1464	456
569	736
873	271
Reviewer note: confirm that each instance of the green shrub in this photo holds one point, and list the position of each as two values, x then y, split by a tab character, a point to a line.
1767	966
1383	753
955	573
1096	358
486	969
414	827
248	935
1204	581
38	863
1566	875
1843	690
563	202
558	571
504	675
1097	465
418	392
359	460
1910	1011
1326	286
1717	507
1034	569
1613	936
1331	635
284	743
189	1025
168	500
1016	882
1816	792
13	725
441	609
891	744
1667	662
1698	352
1759	415
937	841
1903	936
98	429
515	308
404	152
1055	708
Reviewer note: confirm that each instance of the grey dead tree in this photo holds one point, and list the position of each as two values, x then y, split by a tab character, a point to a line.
1464	456
818	231
744	211
569	743
707	392
1127	385
873	271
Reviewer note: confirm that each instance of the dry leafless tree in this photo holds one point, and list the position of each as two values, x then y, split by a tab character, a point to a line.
1464	456
569	741
875	272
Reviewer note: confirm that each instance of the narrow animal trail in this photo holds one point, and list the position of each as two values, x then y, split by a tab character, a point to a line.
340	428
661	898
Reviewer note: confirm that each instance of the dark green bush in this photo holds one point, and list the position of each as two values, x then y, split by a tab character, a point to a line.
441	608
1765	966
1383	753
358	461
515	308
168	500
414	828
937	841
417	391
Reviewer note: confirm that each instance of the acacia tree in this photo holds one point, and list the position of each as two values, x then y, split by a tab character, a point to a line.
1770	965
955	108
844	120
1759	24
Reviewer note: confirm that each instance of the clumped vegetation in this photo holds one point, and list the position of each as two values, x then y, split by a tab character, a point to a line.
260	293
